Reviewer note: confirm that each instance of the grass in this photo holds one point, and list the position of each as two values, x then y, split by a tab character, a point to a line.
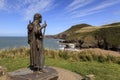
87	29
14	63
102	71
96	54
86	62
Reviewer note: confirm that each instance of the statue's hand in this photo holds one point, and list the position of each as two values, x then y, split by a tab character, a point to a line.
44	25
28	41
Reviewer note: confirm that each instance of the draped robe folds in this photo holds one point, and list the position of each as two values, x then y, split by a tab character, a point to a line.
35	39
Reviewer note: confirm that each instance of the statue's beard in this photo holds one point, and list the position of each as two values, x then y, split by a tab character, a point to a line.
40	21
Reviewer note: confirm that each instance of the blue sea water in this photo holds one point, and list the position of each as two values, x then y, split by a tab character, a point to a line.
11	42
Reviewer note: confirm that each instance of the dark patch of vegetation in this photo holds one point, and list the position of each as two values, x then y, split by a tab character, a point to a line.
108	38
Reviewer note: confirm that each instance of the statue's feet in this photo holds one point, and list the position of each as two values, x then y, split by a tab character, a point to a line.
31	67
43	70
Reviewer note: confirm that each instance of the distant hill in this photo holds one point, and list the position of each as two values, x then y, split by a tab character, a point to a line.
113	24
106	36
76	27
71	31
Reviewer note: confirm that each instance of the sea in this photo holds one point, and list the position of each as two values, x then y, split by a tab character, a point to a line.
16	42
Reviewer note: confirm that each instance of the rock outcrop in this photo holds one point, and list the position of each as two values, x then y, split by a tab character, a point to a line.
3	73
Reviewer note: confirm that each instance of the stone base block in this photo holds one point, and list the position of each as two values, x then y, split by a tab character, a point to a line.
27	74
3	73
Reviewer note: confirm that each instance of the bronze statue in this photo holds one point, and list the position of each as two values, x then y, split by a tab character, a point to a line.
35	40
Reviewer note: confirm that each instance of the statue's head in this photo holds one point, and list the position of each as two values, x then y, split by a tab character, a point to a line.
38	17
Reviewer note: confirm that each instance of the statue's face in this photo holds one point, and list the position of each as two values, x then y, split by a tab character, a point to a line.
40	20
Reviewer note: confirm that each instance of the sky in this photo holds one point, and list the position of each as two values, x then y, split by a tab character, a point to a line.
59	15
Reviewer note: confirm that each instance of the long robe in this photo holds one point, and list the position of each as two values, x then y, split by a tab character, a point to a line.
35	39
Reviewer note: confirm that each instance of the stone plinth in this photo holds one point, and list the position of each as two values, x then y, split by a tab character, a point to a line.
3	73
27	74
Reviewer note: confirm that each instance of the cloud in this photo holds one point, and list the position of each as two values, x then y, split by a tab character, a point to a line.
77	13
104	5
116	13
37	6
27	8
2	3
76	4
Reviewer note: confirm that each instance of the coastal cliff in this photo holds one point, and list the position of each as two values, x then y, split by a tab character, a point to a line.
87	36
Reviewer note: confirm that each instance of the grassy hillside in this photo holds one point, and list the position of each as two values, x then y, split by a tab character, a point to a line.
106	36
72	32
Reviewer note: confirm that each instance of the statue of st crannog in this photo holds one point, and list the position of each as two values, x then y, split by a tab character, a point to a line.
35	40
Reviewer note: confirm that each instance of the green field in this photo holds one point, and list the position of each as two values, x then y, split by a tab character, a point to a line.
15	59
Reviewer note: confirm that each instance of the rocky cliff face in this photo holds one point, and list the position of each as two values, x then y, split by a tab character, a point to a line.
106	36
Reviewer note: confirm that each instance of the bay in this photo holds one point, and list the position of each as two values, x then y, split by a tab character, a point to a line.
11	42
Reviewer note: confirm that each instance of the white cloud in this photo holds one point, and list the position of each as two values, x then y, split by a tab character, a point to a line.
76	4
28	8
116	13
78	15
2	3
105	4
37	6
92	10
